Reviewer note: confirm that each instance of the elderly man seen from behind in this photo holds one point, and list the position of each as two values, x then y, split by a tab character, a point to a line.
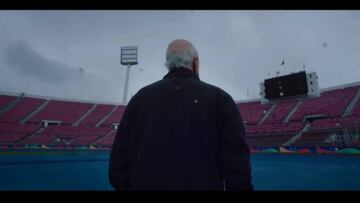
181	133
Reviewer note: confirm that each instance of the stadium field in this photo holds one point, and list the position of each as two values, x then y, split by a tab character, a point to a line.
87	170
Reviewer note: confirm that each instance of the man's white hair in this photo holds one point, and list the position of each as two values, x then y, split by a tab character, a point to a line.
183	58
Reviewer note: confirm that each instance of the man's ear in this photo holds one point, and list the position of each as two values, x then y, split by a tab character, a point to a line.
195	65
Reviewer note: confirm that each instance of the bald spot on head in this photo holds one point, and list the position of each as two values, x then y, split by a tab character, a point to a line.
179	45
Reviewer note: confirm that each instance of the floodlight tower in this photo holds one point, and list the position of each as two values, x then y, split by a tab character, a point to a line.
129	56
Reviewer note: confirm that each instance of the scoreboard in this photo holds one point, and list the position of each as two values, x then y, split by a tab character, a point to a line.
295	84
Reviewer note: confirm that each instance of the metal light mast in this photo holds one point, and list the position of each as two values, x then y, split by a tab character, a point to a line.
129	57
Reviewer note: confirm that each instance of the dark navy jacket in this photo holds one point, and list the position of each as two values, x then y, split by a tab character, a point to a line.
180	134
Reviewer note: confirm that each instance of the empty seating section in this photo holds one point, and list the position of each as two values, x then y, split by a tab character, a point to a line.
334	123
115	117
5	100
330	103
11	133
106	141
268	140
23	108
356	110
252	112
40	139
272	132
79	134
356	143
275	128
85	140
67	112
325	124
96	115
281	110
312	139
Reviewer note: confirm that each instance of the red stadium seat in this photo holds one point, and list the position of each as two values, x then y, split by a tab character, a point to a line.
330	103
12	133
253	111
67	112
99	112
23	108
5	100
115	117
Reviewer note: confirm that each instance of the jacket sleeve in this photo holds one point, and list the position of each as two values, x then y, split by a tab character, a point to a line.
234	151
118	164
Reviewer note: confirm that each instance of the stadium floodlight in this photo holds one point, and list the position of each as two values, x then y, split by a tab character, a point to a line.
129	57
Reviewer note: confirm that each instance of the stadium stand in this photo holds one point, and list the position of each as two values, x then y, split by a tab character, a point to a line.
40	139
107	140
274	128
85	140
330	103
356	110
114	117
26	106
74	135
12	133
314	139
333	111
65	111
95	116
281	110
79	134
356	143
268	140
252	112
5	100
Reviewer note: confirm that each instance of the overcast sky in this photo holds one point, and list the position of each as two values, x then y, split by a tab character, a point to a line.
41	52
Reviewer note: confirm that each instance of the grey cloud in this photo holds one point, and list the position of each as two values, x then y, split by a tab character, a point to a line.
26	61
238	49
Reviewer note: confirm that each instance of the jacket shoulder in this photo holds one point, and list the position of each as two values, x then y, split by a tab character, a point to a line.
220	92
149	87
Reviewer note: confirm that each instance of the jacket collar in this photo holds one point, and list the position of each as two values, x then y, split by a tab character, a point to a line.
181	72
